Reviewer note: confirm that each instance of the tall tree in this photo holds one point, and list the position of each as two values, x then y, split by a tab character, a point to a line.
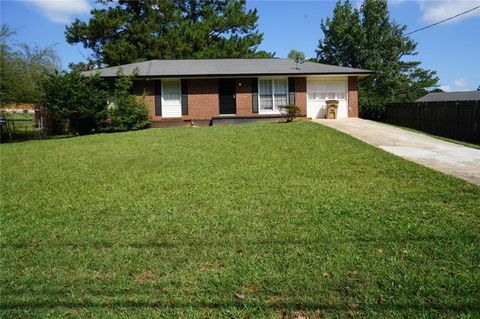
297	56
22	68
369	39
343	39
129	31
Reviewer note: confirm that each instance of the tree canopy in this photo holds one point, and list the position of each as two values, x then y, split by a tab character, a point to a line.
130	31
367	38
297	56
22	68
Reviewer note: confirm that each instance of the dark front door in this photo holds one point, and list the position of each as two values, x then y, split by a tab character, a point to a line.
226	93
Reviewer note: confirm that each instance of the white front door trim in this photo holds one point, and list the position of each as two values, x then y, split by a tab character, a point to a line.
171	98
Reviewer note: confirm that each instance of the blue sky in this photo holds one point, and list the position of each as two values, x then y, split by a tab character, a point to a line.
452	48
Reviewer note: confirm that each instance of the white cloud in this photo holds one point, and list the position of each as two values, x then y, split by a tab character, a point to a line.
60	11
434	11
457	85
460	84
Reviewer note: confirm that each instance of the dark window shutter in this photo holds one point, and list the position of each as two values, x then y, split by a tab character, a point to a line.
291	91
158	98
184	97
254	95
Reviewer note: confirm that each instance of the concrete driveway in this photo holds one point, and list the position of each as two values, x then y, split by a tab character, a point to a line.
450	158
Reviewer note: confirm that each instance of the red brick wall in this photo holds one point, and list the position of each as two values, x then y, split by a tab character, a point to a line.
203	101
352	96
244	96
147	88
301	94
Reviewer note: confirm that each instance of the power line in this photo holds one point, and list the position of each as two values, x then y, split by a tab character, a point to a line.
444	20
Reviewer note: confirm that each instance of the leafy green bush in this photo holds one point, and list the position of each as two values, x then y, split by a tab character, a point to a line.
85	104
125	111
79	99
289	112
53	123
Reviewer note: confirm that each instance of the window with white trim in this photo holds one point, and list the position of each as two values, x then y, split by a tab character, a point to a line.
326	96
272	93
326	90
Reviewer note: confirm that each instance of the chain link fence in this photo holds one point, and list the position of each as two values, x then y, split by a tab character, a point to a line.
20	126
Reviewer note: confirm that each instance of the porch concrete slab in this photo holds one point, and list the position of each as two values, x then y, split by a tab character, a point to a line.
449	158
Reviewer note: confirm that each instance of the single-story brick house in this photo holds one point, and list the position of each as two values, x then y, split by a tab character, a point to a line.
203	89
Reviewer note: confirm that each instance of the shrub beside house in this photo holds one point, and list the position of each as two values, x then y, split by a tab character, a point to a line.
83	105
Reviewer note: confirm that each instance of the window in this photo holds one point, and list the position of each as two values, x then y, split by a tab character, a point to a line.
326	90
326	96
266	97
280	92
272	94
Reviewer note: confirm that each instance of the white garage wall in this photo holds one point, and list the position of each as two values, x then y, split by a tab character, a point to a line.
321	89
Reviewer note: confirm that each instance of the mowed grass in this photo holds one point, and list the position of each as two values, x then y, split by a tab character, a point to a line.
253	221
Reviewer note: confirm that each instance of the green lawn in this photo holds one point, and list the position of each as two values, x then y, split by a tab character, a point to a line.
297	219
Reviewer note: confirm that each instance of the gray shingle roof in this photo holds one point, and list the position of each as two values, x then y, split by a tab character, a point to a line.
224	67
451	96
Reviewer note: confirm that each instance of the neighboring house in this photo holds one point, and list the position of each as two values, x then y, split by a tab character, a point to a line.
450	96
203	89
19	108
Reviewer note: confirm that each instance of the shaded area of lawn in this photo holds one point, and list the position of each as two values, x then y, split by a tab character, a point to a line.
19	127
296	218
